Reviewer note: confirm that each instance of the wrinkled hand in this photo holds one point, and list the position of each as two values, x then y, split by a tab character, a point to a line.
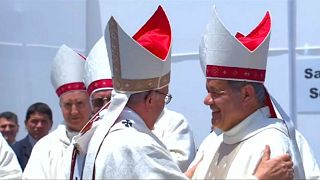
280	167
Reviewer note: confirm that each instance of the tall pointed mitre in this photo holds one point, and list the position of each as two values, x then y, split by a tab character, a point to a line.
96	68
67	71
239	58
142	62
138	64
243	58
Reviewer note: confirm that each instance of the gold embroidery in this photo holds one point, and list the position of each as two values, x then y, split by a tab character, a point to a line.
129	84
141	84
113	29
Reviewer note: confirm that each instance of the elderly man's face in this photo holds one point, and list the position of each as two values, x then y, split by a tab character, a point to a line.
161	95
76	109
8	129
225	103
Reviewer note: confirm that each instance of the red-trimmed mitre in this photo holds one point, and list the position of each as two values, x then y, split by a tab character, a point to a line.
140	62
67	71
70	87
155	35
100	84
236	57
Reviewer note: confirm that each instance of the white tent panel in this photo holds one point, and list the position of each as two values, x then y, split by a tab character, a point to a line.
308	26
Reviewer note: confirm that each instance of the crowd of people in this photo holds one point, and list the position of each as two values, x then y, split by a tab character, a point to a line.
116	124
38	122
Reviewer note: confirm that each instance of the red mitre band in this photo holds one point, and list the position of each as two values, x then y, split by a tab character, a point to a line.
257	75
70	87
102	83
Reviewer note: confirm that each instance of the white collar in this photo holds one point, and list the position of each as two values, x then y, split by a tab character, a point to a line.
250	126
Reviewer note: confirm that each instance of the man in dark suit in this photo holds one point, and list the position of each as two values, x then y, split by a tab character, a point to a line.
38	123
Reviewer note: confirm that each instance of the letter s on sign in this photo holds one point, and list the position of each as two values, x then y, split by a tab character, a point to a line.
308	73
314	93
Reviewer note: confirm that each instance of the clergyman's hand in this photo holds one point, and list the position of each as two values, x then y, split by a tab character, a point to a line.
280	167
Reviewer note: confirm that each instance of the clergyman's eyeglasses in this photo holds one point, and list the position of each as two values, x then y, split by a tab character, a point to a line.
99	102
168	97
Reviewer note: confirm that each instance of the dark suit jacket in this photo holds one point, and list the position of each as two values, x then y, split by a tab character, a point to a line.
23	150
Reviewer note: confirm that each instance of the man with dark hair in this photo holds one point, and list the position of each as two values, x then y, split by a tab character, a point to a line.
235	69
38	123
9	126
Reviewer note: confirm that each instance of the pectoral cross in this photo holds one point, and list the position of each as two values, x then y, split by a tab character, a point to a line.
127	123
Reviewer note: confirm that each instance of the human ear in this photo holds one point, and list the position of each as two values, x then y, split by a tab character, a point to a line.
149	100
247	92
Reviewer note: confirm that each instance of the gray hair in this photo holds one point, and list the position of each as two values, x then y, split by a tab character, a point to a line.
258	88
137	97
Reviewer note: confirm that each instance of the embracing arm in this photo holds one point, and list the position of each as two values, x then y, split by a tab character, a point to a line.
173	130
280	167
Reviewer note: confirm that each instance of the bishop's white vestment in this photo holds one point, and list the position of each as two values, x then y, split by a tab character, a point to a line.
173	130
9	165
132	151
235	153
49	155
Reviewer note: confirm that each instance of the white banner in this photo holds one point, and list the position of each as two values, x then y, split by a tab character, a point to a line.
308	85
